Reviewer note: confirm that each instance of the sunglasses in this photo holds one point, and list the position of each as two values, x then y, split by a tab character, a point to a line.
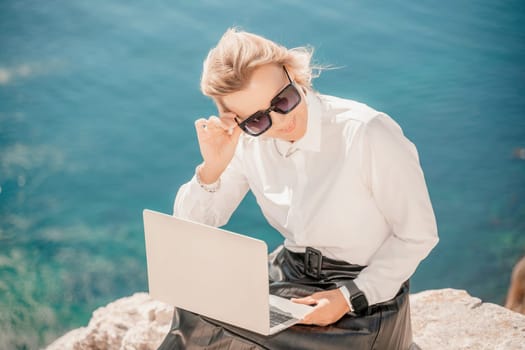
284	102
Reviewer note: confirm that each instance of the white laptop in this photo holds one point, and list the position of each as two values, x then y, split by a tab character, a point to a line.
215	273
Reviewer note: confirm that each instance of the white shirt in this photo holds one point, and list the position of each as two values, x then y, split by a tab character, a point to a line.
352	187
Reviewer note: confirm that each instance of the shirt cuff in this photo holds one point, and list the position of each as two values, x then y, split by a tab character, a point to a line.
214	187
346	293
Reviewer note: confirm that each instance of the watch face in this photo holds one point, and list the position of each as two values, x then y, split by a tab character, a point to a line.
359	303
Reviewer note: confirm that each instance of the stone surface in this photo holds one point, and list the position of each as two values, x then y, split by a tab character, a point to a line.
452	319
136	322
441	319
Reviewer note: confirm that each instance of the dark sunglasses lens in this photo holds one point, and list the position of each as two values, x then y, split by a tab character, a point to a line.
258	123
287	100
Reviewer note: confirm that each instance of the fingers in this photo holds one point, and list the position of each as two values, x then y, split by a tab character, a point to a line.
229	124
200	124
214	124
319	316
228	119
329	307
205	129
309	300
309	318
235	132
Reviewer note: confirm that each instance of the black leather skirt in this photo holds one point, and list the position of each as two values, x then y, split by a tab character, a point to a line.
381	326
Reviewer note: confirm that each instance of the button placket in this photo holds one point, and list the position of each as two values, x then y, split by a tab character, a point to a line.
295	217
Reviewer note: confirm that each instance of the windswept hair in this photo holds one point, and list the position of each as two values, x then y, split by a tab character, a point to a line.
230	64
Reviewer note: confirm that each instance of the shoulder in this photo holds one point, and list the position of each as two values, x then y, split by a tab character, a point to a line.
341	110
355	118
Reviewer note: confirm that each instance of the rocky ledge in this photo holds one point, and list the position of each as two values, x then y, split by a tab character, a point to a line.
441	319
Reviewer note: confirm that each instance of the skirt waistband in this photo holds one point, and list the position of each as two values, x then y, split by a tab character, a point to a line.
312	265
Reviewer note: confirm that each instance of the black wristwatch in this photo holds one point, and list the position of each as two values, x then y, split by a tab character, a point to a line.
357	298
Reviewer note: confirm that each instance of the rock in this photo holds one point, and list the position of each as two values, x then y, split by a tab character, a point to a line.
452	319
441	319
136	322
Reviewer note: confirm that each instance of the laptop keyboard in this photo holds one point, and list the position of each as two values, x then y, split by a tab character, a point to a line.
278	317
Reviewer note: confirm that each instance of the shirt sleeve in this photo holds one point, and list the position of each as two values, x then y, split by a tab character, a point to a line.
393	173
194	203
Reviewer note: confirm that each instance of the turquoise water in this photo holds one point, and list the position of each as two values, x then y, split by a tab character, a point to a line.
97	102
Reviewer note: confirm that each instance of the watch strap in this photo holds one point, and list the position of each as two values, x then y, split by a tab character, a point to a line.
357	298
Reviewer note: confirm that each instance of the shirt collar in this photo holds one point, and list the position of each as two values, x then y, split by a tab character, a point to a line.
311	141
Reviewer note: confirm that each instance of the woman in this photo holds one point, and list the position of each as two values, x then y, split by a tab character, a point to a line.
336	178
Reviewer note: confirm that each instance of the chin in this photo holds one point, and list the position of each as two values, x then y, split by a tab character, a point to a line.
298	133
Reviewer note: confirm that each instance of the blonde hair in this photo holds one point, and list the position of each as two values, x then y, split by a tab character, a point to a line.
229	65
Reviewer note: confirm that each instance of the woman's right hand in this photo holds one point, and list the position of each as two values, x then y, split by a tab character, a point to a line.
218	138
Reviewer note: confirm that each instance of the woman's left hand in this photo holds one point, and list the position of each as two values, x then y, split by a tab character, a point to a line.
330	306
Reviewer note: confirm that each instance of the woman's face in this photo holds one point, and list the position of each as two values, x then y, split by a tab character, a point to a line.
266	82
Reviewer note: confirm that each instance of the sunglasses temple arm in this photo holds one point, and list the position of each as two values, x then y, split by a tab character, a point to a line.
287	75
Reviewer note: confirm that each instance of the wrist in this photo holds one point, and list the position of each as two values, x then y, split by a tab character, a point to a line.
207	175
208	187
346	295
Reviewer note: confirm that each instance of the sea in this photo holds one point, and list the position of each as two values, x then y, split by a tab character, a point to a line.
98	100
